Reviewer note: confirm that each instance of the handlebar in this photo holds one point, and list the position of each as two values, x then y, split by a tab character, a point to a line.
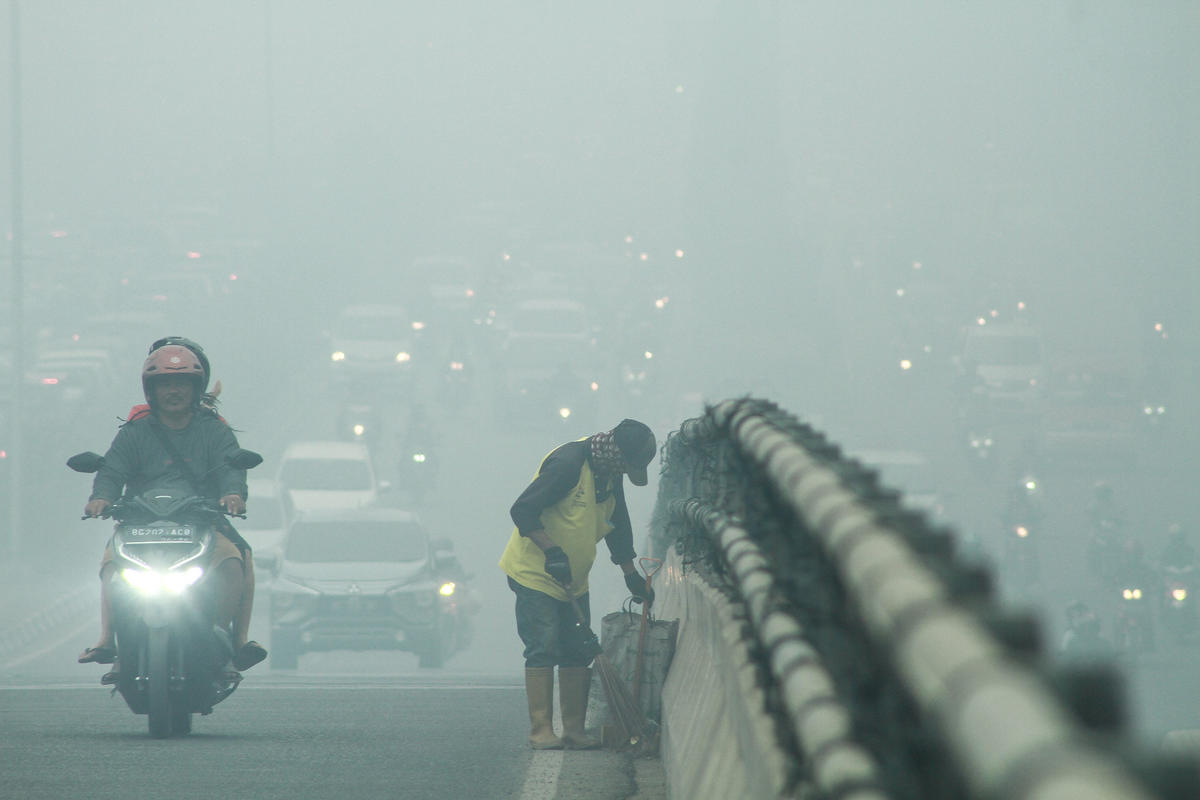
121	508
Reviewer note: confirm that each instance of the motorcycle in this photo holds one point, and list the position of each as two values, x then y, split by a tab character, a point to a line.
1178	606
359	422
174	661
1020	553
1133	628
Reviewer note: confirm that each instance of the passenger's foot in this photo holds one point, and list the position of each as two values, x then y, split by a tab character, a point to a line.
248	655
104	654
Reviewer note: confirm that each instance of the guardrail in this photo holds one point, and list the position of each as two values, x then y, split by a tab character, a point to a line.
887	666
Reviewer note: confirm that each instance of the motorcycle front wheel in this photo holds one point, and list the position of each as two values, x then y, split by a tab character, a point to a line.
158	683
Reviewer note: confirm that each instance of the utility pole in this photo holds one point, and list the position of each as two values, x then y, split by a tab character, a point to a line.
16	456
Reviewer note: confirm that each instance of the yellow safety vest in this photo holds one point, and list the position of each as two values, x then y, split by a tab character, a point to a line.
575	523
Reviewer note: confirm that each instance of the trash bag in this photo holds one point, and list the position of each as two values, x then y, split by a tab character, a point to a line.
620	633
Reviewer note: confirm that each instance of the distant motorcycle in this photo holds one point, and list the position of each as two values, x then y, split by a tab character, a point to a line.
1133	627
1178	610
359	422
1021	553
174	661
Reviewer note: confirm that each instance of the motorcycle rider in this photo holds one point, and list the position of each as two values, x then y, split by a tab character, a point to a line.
1106	533
208	399
576	499
174	380
1179	553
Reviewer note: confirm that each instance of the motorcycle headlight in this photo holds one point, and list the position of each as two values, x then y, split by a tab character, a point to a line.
150	582
403	357
1179	594
359	429
564	412
1022	531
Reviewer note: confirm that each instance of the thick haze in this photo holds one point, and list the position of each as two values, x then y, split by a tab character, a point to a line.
784	168
1048	150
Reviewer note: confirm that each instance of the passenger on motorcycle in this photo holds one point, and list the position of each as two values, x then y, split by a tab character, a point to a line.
174	380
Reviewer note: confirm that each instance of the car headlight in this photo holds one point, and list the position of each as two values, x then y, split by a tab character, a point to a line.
1179	594
338	355
1132	594
150	582
447	589
403	357
564	412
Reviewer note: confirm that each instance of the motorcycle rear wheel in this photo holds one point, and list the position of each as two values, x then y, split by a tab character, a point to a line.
158	684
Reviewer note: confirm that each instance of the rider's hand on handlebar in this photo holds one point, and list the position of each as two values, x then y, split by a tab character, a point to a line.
96	508
233	504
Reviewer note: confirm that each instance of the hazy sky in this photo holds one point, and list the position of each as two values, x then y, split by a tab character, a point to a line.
1023	148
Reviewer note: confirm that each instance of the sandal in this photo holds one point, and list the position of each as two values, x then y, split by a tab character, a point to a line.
248	655
98	655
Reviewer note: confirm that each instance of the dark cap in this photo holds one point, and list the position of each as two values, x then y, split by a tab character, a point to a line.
636	442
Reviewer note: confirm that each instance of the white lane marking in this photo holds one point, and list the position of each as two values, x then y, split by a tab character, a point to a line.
57	643
541	781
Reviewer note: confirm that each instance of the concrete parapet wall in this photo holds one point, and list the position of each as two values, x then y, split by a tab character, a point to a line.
717	742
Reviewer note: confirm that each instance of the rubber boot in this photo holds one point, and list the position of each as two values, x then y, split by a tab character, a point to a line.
539	691
573	686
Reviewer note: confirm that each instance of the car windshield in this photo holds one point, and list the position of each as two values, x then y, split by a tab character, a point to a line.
327	474
373	328
1005	351
311	542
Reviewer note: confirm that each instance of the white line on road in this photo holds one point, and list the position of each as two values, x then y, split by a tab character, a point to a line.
541	781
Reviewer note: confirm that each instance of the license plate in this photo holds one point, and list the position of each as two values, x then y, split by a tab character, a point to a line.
159	533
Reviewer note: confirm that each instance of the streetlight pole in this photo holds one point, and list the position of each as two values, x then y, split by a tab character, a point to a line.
16	456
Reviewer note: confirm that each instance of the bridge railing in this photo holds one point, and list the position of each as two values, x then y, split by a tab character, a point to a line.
885	664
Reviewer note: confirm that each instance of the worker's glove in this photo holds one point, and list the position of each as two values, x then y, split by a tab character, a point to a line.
557	565
639	590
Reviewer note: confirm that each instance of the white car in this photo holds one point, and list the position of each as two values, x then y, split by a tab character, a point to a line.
321	476
1007	361
373	341
266	521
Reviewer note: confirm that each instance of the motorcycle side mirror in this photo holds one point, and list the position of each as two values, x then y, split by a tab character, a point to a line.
86	462
243	459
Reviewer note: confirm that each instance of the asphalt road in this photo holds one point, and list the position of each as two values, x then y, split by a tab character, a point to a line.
362	732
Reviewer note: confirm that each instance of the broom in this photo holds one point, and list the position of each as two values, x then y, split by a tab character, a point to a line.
625	708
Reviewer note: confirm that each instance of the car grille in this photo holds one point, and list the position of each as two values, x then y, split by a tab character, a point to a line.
353	605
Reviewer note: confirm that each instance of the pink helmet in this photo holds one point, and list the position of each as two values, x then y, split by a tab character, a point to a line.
173	359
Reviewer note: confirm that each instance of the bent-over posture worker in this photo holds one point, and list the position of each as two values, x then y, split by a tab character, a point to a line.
575	500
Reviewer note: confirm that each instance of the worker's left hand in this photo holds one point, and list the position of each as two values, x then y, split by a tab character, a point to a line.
637	587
